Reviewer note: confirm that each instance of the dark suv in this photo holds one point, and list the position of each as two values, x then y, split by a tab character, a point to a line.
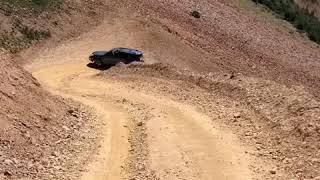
115	56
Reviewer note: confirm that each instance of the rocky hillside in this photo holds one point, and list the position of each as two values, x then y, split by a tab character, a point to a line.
23	23
268	72
34	123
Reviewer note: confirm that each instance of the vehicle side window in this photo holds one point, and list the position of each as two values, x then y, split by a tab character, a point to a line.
130	56
123	55
109	53
115	53
118	54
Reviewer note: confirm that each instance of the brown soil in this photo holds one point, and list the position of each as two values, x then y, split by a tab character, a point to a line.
39	133
235	96
260	112
168	140
232	40
67	20
280	123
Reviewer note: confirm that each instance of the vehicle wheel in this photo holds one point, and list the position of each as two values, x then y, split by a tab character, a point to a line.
98	63
120	64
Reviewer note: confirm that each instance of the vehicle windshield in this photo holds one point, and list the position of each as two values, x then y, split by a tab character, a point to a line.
100	53
126	51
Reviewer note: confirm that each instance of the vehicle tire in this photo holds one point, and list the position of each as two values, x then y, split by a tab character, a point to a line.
122	61
98	63
120	64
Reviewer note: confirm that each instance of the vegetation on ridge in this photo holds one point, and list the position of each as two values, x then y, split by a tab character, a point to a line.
300	18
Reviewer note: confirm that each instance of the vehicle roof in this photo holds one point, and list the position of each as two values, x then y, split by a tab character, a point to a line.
100	53
127	50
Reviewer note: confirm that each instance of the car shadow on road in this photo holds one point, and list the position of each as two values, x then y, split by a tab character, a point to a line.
101	68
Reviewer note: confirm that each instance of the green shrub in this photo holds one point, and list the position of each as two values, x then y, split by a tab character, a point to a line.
30	35
33	34
12	43
16	6
300	18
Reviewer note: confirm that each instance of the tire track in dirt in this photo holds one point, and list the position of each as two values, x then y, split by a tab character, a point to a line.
147	136
166	145
168	140
106	163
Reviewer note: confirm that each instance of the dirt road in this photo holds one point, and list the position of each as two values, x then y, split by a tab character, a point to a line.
167	140
233	97
147	135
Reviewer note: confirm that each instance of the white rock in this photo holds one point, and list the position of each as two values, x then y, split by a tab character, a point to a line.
66	128
8	162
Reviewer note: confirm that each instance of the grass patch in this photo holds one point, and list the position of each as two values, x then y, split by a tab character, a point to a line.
31	34
11	43
35	6
22	36
263	11
14	43
300	18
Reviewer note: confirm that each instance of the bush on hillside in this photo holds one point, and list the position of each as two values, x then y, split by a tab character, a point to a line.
29	35
300	18
16	6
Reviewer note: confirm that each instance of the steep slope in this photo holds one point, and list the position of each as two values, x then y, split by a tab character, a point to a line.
278	120
236	40
25	23
281	123
257	79
37	129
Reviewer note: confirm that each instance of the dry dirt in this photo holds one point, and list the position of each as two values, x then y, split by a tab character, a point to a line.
63	21
167	139
40	134
172	122
226	96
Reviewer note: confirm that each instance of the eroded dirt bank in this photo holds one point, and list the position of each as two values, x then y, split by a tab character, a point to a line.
38	131
167	139
179	124
231	104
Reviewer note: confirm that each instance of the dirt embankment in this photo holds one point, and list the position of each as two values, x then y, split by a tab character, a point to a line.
152	136
281	123
38	130
236	40
256	79
25	23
